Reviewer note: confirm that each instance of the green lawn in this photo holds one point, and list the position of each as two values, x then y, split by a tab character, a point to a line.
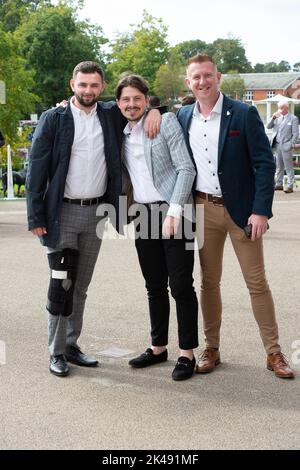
22	190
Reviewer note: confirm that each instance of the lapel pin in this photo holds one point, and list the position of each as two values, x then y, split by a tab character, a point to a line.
228	113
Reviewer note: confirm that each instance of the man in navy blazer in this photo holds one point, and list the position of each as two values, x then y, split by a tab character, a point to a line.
235	183
74	166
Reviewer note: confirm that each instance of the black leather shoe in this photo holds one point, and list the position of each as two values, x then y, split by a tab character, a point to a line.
58	365
184	368
75	356
148	358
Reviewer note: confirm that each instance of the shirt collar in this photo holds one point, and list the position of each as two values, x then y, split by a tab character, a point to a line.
79	112
217	109
136	129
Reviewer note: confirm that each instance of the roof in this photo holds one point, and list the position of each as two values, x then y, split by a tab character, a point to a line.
277	98
268	81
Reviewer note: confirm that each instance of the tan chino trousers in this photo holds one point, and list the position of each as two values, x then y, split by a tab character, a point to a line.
217	224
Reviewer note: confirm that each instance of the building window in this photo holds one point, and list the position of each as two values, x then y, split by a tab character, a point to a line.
270	94
249	95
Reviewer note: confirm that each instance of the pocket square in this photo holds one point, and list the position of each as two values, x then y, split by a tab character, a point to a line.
233	133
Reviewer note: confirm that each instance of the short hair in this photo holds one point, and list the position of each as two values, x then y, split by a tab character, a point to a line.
135	81
283	102
200	58
88	67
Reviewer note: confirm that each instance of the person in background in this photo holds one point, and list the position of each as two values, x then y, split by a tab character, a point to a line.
2	140
154	102
285	134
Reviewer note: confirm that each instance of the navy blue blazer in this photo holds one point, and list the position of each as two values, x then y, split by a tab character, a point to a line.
246	164
49	162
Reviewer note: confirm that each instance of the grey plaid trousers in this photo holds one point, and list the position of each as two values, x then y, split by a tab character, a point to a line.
77	231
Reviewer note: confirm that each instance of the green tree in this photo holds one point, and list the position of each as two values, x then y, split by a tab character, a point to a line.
296	67
188	49
233	85
284	66
169	81
143	50
53	41
19	82
12	12
259	68
229	54
272	67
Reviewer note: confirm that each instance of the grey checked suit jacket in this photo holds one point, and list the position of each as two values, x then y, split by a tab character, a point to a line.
288	133
169	162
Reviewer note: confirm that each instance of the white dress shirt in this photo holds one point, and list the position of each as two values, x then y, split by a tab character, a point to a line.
87	173
204	141
144	190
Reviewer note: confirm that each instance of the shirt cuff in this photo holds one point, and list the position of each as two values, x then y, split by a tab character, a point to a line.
175	210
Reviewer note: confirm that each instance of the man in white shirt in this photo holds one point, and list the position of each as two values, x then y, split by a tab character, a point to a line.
74	166
161	174
235	185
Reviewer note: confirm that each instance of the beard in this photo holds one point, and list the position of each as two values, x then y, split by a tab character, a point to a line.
137	116
87	102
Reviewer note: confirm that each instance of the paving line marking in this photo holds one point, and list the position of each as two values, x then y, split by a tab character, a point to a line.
13	212
286	202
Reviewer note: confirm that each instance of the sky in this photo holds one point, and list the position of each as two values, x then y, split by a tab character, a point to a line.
268	29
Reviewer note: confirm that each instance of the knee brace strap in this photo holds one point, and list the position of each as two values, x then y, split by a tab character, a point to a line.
63	265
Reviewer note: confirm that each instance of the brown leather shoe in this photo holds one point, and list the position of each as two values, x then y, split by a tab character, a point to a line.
208	360
278	363
278	188
288	190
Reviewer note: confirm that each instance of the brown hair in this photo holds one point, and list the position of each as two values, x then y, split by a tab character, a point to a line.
199	58
88	67
135	81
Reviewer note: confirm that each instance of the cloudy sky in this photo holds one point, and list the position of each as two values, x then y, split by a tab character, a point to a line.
269	29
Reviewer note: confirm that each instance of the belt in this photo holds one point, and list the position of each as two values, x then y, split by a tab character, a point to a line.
152	205
84	202
216	200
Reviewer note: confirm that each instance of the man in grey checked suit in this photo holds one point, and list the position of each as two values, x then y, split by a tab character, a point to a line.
285	133
74	166
161	173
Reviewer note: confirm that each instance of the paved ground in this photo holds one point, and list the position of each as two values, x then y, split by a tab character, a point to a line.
240	406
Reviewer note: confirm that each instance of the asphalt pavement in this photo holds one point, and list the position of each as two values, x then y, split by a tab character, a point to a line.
241	405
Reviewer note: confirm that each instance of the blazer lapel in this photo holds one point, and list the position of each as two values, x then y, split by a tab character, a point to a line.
67	124
224	126
67	131
103	121
148	152
187	119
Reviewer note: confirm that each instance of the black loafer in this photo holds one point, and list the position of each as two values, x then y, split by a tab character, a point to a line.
75	356
184	368
58	365
148	358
